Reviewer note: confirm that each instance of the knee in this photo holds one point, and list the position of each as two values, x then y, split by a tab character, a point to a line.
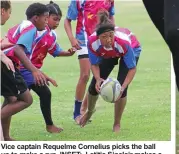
85	77
27	99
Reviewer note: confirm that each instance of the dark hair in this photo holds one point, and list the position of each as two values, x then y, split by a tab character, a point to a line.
105	24
36	9
54	8
5	4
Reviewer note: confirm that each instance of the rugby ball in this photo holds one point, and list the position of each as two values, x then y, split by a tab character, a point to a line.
110	90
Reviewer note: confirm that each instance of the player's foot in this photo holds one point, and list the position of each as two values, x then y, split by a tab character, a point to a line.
9	139
53	129
116	128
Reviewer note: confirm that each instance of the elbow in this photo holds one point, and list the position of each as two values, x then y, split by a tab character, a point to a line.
67	22
133	70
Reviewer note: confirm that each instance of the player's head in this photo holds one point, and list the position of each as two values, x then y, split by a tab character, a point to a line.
38	14
55	15
105	29
5	11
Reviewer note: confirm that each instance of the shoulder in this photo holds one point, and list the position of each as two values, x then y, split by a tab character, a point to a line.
121	37
26	25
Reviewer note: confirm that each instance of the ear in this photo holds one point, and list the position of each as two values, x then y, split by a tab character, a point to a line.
35	18
2	11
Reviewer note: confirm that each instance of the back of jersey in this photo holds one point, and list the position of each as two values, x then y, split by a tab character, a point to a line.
134	42
87	16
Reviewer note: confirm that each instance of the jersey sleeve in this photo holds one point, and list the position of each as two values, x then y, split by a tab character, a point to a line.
112	10
55	49
94	59
26	39
72	12
129	57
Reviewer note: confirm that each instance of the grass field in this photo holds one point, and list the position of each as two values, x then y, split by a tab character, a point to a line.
177	122
148	111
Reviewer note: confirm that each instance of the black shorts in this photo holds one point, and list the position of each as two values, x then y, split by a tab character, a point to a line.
12	84
106	68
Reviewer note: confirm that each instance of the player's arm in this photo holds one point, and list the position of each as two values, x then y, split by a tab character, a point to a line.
9	64
38	76
72	14
5	43
56	51
70	52
112	12
95	60
23	47
130	61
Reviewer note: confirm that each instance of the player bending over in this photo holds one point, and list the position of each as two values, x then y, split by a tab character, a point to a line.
105	47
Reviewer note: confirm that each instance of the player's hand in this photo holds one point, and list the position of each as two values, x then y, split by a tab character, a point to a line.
84	119
76	43
40	79
9	64
98	84
72	51
5	43
53	82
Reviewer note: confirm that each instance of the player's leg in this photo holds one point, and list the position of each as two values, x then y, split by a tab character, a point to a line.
82	82
1	133
172	32
120	105
155	10
44	94
84	105
14	85
6	122
12	107
106	67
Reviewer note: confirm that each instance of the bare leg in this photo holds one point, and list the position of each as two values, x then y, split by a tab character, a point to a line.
81	86
12	106
84	105
6	122
118	111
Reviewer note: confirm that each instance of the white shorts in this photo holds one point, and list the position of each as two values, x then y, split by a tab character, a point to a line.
82	53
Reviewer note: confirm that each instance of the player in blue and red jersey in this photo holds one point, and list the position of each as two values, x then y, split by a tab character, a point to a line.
47	44
85	12
14	89
105	47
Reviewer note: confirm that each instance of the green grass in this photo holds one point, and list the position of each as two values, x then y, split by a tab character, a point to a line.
148	112
177	122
